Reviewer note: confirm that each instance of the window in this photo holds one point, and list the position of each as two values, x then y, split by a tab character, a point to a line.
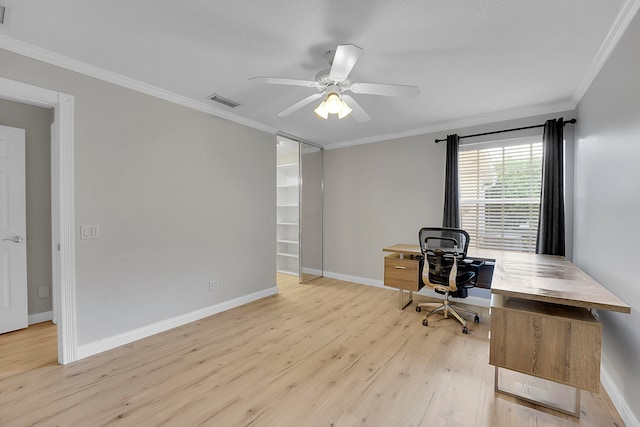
500	193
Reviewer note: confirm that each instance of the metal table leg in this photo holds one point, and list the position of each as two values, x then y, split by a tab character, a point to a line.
544	403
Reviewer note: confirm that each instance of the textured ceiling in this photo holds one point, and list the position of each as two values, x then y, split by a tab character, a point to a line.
470	59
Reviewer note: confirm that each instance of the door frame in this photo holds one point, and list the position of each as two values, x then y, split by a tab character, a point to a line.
300	202
62	206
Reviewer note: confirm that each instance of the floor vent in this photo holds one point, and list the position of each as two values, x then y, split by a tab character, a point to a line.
224	101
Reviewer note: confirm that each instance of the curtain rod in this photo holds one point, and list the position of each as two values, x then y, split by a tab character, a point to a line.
506	130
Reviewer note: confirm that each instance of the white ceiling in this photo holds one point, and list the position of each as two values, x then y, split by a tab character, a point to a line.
473	60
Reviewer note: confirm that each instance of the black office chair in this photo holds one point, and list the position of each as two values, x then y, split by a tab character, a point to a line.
444	269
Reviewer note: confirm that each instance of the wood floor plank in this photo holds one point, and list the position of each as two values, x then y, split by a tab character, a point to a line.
19	355
326	353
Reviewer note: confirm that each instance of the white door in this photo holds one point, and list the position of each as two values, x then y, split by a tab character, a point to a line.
13	227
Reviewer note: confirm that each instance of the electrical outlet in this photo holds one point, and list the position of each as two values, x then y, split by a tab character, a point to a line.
213	285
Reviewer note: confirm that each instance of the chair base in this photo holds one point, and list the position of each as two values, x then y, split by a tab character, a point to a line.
447	308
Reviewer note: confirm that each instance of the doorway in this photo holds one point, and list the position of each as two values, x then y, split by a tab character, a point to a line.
299	207
62	222
27	240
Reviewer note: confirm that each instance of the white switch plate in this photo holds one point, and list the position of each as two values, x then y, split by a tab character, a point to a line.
89	232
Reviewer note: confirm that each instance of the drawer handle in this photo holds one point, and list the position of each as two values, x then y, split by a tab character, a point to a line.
400	267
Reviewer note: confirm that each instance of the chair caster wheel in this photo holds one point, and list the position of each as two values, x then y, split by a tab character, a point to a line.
476	319
465	330
425	322
418	309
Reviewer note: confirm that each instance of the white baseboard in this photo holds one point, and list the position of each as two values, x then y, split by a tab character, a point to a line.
40	317
355	279
427	292
616	396
105	344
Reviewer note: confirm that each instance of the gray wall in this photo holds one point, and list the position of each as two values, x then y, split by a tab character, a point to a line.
376	195
181	198
607	203
382	193
36	121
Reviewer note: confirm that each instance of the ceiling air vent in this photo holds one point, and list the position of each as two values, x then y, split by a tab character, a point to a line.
224	101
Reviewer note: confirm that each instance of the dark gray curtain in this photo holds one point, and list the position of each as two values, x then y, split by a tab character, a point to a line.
551	223
451	213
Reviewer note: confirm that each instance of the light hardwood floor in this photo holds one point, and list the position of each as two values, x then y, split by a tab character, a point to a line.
27	349
327	353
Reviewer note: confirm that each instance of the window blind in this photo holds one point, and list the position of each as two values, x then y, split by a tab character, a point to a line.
500	194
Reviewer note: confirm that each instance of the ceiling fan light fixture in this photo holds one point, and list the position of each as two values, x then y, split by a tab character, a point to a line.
345	110
333	84
321	110
333	104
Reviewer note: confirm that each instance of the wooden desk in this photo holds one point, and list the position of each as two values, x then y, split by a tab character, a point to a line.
542	319
401	270
551	279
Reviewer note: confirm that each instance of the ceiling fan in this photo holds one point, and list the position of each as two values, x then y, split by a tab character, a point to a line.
332	83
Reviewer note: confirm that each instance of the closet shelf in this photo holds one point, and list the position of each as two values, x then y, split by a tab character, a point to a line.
287	255
287	165
287	209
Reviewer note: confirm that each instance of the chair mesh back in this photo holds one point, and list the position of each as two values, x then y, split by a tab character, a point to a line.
440	247
432	238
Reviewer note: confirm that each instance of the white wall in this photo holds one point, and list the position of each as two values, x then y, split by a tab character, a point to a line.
181	198
607	206
382	193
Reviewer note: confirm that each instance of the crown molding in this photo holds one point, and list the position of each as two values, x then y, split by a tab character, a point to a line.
620	25
481	119
37	53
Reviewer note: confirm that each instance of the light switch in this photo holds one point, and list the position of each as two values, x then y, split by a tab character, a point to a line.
89	232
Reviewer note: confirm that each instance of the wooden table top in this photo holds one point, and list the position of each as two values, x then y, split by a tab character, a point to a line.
545	278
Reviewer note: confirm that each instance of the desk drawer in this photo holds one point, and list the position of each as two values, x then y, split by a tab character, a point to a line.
402	273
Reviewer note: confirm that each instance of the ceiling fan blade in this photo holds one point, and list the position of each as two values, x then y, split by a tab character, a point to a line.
357	112
282	81
344	60
384	89
309	99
